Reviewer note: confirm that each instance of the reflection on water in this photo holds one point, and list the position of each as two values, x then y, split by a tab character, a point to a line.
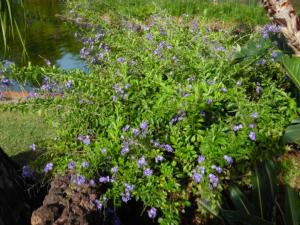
46	37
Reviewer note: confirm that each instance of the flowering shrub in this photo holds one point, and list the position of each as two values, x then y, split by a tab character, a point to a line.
164	117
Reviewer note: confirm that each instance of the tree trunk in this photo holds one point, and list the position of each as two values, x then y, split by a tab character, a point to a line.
13	207
282	13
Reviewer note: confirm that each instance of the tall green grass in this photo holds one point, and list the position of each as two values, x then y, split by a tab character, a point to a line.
8	24
243	11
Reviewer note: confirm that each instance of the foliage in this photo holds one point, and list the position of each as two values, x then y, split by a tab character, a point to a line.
163	115
8	24
266	205
225	10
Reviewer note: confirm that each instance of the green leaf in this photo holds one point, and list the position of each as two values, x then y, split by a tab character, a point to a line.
292	65
292	207
240	217
240	201
292	134
264	189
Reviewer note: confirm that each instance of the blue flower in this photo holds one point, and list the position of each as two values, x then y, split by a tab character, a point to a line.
148	172
71	165
255	115
144	125
213	179
228	159
159	158
80	179
114	169
152	213
98	204
197	176
92	183
33	147
104	179
252	136
85	164
142	162
209	101
86	140
48	167
26	171
201	158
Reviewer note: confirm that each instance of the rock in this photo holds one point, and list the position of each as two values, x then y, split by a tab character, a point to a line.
67	204
14	207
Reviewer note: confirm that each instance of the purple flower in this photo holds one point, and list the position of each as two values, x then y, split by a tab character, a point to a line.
92	183
80	137
239	83
167	147
142	162
201	169
209	101
156	144
223	89
98	204
228	159
85	164
125	128
114	98
71	165
135	132
144	125
217	168
127	196
149	37
103	151
148	172
213	179
203	113
80	179
237	127
104	179
68	84
48	167
26	171
251	125
125	148
114	169
159	158
255	115
211	82
152	213
274	55
33	147
252	136
86	140
129	187
121	60
201	158
197	176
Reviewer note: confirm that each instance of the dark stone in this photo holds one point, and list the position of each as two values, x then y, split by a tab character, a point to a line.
14	209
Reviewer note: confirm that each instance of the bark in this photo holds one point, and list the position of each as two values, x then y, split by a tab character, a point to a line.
282	13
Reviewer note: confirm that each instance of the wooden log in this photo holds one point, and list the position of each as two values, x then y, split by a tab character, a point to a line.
282	13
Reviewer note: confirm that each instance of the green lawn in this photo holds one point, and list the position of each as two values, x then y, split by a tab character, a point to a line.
19	131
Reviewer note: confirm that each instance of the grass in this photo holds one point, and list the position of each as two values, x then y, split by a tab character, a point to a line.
227	11
18	131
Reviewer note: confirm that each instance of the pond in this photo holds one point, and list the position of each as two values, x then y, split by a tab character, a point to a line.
46	36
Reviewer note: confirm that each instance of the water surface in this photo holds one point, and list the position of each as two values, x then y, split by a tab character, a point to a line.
46	36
